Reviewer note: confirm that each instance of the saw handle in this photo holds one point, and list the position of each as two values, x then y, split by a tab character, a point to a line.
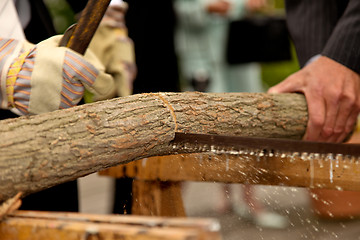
79	38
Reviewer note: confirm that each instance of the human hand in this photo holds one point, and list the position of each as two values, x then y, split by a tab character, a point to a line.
45	77
115	15
220	7
332	92
255	5
116	52
113	47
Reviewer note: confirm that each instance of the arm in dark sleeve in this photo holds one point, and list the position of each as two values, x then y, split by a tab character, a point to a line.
343	45
311	24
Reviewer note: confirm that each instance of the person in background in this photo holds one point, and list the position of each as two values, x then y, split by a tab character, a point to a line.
25	70
326	36
201	38
32	73
151	26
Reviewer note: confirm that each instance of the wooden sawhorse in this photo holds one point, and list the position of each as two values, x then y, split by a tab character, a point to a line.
157	190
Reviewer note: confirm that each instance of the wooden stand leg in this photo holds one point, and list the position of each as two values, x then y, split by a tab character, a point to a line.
156	198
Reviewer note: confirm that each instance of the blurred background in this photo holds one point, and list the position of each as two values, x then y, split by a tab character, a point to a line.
271	72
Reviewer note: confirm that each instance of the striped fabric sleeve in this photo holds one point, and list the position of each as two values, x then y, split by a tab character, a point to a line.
17	87
7	47
22	84
75	72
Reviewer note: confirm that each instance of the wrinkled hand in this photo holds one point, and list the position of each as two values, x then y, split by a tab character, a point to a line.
220	7
332	92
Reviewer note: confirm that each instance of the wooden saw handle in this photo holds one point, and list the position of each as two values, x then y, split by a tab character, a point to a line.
79	36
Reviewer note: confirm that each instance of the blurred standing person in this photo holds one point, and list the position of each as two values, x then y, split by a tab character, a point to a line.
201	39
151	26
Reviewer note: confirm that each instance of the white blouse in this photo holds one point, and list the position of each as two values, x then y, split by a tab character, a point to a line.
10	26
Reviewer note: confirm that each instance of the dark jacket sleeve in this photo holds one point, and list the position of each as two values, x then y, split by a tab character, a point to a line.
327	27
343	45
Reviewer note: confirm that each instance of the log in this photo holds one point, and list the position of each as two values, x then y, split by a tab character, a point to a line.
48	149
156	180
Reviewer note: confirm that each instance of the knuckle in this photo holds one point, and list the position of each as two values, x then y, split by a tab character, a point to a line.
334	97
317	121
350	98
339	130
350	126
327	131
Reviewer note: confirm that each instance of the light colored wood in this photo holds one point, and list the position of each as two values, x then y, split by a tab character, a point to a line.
72	226
287	171
10	206
52	148
339	205
156	198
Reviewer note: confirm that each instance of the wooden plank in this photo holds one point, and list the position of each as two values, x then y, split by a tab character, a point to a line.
340	174
72	226
156	198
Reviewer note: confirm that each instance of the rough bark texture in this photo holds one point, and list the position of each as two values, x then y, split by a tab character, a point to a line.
41	151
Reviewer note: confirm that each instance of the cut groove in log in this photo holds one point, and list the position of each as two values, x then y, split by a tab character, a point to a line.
48	149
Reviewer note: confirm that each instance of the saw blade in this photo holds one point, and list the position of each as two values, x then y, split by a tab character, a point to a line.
237	144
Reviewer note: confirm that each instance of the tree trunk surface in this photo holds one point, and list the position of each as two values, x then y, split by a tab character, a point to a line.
41	151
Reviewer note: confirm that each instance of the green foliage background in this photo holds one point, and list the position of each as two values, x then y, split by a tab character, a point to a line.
273	73
62	14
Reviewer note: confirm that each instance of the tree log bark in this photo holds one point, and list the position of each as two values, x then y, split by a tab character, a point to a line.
41	151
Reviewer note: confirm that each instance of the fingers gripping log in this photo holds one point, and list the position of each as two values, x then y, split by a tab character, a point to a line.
41	151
